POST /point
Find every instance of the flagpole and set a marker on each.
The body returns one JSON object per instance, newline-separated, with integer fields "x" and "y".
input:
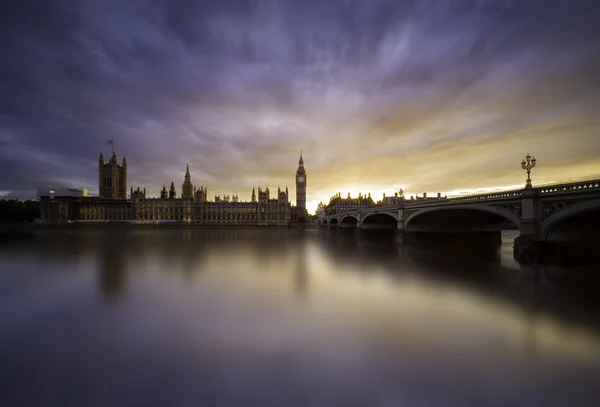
{"x": 112, "y": 142}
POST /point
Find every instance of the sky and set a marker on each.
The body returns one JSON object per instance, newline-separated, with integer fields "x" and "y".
{"x": 424, "y": 95}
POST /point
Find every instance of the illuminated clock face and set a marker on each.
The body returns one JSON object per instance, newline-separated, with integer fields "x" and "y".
{"x": 300, "y": 179}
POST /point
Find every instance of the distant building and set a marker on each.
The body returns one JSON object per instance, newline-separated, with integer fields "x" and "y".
{"x": 320, "y": 211}
{"x": 60, "y": 204}
{"x": 427, "y": 198}
{"x": 112, "y": 205}
{"x": 393, "y": 200}
{"x": 337, "y": 204}
{"x": 55, "y": 192}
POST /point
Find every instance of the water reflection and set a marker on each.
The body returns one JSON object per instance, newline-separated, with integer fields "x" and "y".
{"x": 189, "y": 316}
{"x": 301, "y": 277}
{"x": 112, "y": 265}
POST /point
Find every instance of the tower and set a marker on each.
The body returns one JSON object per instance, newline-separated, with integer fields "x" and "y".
{"x": 112, "y": 177}
{"x": 301, "y": 190}
{"x": 187, "y": 189}
{"x": 172, "y": 193}
{"x": 123, "y": 179}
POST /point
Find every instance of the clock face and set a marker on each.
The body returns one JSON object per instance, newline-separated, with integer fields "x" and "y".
{"x": 300, "y": 179}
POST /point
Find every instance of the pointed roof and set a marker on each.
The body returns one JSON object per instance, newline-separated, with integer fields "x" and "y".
{"x": 187, "y": 169}
{"x": 301, "y": 162}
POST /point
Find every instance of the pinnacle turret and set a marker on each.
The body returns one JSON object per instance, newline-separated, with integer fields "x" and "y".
{"x": 172, "y": 193}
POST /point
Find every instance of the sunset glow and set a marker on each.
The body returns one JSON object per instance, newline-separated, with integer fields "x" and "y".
{"x": 426, "y": 96}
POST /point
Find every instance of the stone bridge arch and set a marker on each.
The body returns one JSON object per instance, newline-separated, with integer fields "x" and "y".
{"x": 380, "y": 214}
{"x": 349, "y": 218}
{"x": 504, "y": 213}
{"x": 577, "y": 209}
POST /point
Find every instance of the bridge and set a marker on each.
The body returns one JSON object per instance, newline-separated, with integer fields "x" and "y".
{"x": 548, "y": 214}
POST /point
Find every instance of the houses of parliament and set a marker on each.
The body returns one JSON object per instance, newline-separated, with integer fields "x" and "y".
{"x": 64, "y": 205}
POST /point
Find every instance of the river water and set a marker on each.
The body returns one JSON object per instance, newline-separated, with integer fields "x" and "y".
{"x": 175, "y": 316}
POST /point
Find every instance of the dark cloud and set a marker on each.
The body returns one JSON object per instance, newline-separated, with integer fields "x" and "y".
{"x": 379, "y": 94}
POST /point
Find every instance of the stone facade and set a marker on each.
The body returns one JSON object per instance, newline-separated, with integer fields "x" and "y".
{"x": 193, "y": 206}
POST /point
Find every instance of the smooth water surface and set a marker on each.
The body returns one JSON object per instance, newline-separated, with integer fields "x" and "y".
{"x": 188, "y": 317}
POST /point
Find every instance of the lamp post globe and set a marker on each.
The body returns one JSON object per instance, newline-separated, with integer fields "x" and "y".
{"x": 527, "y": 164}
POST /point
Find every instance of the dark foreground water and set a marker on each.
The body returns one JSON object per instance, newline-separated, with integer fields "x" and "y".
{"x": 193, "y": 317}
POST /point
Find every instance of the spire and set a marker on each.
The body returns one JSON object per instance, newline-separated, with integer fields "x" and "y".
{"x": 101, "y": 159}
{"x": 124, "y": 160}
{"x": 172, "y": 194}
{"x": 301, "y": 162}
{"x": 187, "y": 170}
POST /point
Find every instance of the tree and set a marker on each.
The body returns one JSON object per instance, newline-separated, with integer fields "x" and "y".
{"x": 19, "y": 211}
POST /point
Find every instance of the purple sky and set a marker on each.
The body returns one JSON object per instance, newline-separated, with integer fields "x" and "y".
{"x": 425, "y": 95}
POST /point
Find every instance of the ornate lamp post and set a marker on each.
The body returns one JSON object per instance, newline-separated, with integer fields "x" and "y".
{"x": 527, "y": 165}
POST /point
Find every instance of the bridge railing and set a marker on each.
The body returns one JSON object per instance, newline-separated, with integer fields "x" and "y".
{"x": 572, "y": 187}
{"x": 469, "y": 198}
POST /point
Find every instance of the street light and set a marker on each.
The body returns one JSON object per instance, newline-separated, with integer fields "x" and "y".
{"x": 527, "y": 165}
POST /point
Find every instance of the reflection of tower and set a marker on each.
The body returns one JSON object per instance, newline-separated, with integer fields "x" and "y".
{"x": 300, "y": 275}
{"x": 301, "y": 190}
{"x": 112, "y": 267}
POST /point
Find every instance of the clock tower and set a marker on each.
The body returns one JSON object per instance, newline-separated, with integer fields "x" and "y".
{"x": 301, "y": 190}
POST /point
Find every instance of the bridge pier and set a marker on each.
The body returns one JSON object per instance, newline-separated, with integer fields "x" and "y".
{"x": 399, "y": 234}
{"x": 529, "y": 244}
